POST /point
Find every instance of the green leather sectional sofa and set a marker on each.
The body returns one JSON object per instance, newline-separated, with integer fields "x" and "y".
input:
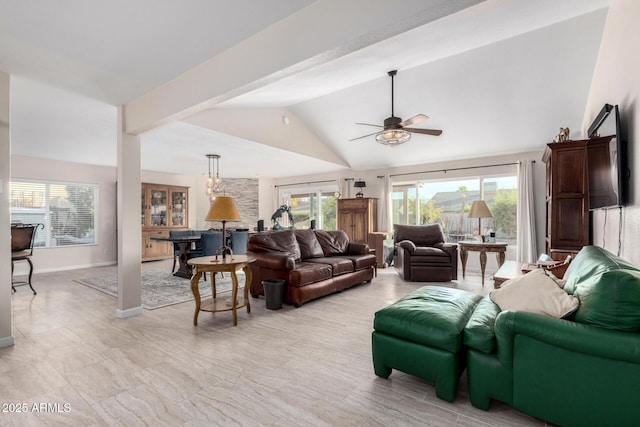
{"x": 580, "y": 371}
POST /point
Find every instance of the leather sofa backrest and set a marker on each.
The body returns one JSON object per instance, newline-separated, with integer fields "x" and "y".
{"x": 309, "y": 244}
{"x": 283, "y": 241}
{"x": 608, "y": 288}
{"x": 592, "y": 260}
{"x": 420, "y": 235}
{"x": 334, "y": 242}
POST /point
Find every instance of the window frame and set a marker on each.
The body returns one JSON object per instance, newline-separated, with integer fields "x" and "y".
{"x": 317, "y": 193}
{"x": 46, "y": 235}
{"x": 481, "y": 179}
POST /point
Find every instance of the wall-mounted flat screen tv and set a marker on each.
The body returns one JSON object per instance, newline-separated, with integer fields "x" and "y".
{"x": 608, "y": 173}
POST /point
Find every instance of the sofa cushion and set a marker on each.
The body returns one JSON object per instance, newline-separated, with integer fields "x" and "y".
{"x": 590, "y": 261}
{"x": 421, "y": 235}
{"x": 307, "y": 273}
{"x": 535, "y": 292}
{"x": 333, "y": 242}
{"x": 479, "y": 331}
{"x": 309, "y": 245}
{"x": 361, "y": 262}
{"x": 277, "y": 241}
{"x": 610, "y": 299}
{"x": 429, "y": 255}
{"x": 338, "y": 265}
{"x": 433, "y": 316}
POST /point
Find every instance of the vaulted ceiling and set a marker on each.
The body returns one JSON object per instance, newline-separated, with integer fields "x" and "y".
{"x": 496, "y": 76}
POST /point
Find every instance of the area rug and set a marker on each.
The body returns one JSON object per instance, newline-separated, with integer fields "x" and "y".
{"x": 160, "y": 288}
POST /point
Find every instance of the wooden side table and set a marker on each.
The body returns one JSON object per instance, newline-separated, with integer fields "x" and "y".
{"x": 483, "y": 248}
{"x": 509, "y": 270}
{"x": 216, "y": 264}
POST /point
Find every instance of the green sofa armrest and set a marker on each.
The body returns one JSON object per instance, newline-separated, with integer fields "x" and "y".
{"x": 572, "y": 336}
{"x": 479, "y": 331}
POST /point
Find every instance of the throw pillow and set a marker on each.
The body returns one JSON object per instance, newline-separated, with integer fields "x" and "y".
{"x": 535, "y": 292}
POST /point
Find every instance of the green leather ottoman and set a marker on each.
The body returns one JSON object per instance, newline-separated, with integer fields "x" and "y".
{"x": 421, "y": 334}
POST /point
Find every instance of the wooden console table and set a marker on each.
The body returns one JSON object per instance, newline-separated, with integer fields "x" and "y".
{"x": 216, "y": 264}
{"x": 483, "y": 248}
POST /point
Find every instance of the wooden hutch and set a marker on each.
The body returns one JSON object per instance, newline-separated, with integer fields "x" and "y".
{"x": 358, "y": 217}
{"x": 568, "y": 221}
{"x": 164, "y": 208}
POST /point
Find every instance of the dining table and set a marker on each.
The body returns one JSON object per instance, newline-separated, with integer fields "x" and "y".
{"x": 184, "y": 247}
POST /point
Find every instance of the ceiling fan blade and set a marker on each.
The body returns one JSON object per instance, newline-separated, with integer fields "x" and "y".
{"x": 413, "y": 120}
{"x": 363, "y": 136}
{"x": 434, "y": 132}
{"x": 369, "y": 124}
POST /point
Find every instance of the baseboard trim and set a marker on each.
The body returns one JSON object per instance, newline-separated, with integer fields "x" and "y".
{"x": 130, "y": 312}
{"x": 23, "y": 271}
{"x": 7, "y": 341}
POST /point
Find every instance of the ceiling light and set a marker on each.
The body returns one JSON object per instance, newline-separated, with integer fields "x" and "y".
{"x": 393, "y": 137}
{"x": 214, "y": 184}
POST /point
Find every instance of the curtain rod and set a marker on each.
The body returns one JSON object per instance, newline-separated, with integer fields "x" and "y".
{"x": 308, "y": 183}
{"x": 458, "y": 169}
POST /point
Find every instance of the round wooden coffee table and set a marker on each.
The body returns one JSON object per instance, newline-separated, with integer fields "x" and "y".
{"x": 217, "y": 264}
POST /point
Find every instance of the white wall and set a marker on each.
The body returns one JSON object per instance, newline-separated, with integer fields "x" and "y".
{"x": 104, "y": 253}
{"x": 53, "y": 259}
{"x": 615, "y": 81}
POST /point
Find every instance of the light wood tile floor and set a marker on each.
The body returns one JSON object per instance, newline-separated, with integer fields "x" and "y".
{"x": 308, "y": 366}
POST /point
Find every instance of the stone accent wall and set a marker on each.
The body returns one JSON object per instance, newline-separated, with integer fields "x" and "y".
{"x": 245, "y": 193}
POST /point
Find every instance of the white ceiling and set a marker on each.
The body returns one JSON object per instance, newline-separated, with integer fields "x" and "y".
{"x": 499, "y": 77}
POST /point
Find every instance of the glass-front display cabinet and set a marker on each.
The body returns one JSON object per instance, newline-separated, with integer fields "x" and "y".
{"x": 178, "y": 198}
{"x": 163, "y": 208}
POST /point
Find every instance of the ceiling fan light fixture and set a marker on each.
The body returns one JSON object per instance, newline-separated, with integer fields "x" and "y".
{"x": 393, "y": 137}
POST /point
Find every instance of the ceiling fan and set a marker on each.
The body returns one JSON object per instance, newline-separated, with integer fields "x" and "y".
{"x": 395, "y": 131}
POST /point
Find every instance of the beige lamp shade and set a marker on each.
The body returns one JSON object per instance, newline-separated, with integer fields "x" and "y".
{"x": 479, "y": 209}
{"x": 223, "y": 208}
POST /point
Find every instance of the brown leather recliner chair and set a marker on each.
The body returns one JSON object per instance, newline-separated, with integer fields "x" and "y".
{"x": 421, "y": 255}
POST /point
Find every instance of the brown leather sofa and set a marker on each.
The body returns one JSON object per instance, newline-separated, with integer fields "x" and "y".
{"x": 421, "y": 254}
{"x": 313, "y": 263}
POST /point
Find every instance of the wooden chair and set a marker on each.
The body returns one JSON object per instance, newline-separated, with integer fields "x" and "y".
{"x": 22, "y": 238}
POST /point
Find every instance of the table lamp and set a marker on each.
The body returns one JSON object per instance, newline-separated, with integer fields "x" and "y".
{"x": 223, "y": 209}
{"x": 479, "y": 209}
{"x": 359, "y": 185}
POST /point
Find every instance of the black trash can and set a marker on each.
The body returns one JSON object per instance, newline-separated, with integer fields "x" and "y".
{"x": 273, "y": 293}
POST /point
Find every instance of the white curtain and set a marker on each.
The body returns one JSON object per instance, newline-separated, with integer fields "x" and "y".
{"x": 385, "y": 214}
{"x": 346, "y": 188}
{"x": 527, "y": 250}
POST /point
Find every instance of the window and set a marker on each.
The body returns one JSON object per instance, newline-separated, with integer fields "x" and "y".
{"x": 67, "y": 211}
{"x": 448, "y": 201}
{"x": 319, "y": 206}
{"x": 311, "y": 203}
